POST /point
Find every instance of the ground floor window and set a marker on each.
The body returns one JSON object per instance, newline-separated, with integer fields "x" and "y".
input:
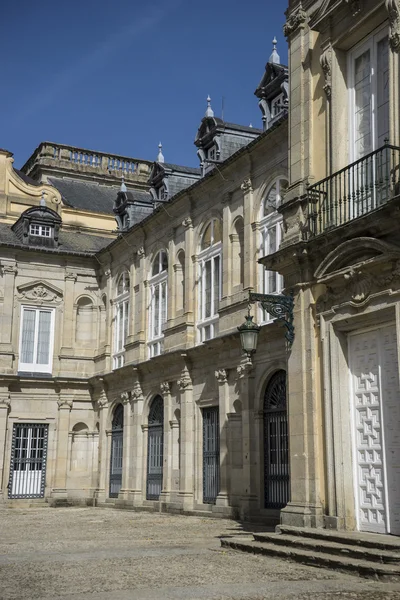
{"x": 28, "y": 460}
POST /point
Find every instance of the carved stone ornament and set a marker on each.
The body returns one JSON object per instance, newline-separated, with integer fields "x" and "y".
{"x": 71, "y": 276}
{"x": 5, "y": 400}
{"x": 355, "y": 6}
{"x": 393, "y": 8}
{"x": 246, "y": 186}
{"x": 355, "y": 287}
{"x": 386, "y": 280}
{"x": 39, "y": 293}
{"x": 221, "y": 376}
{"x": 185, "y": 380}
{"x": 102, "y": 402}
{"x": 64, "y": 402}
{"x": 165, "y": 388}
{"x": 11, "y": 269}
{"x": 187, "y": 222}
{"x": 137, "y": 392}
{"x": 125, "y": 397}
{"x": 141, "y": 252}
{"x": 244, "y": 369}
{"x": 295, "y": 20}
{"x": 326, "y": 64}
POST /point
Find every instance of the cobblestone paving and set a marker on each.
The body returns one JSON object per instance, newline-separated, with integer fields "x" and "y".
{"x": 102, "y": 554}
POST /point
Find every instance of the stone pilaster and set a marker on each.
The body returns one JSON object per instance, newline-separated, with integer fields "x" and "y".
{"x": 305, "y": 422}
{"x": 59, "y": 490}
{"x": 189, "y": 265}
{"x": 186, "y": 490}
{"x": 5, "y": 404}
{"x": 68, "y": 321}
{"x": 9, "y": 272}
{"x": 223, "y": 400}
{"x": 102, "y": 407}
{"x": 248, "y": 235}
{"x": 126, "y": 448}
{"x": 138, "y": 443}
{"x": 167, "y": 454}
{"x": 245, "y": 377}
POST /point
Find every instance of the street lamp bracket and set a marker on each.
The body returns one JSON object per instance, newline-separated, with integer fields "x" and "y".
{"x": 280, "y": 306}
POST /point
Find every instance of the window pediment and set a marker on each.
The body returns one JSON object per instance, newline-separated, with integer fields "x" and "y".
{"x": 39, "y": 292}
{"x": 354, "y": 252}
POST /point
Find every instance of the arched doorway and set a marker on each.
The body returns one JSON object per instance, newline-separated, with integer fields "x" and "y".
{"x": 276, "y": 443}
{"x": 155, "y": 449}
{"x": 117, "y": 441}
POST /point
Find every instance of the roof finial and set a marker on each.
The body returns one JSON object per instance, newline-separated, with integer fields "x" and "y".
{"x": 209, "y": 111}
{"x": 42, "y": 199}
{"x": 274, "y": 58}
{"x": 160, "y": 155}
{"x": 123, "y": 187}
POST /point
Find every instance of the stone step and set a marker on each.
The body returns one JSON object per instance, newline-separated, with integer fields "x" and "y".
{"x": 354, "y": 538}
{"x": 375, "y": 555}
{"x": 354, "y": 566}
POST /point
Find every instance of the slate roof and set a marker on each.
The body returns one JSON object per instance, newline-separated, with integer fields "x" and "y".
{"x": 69, "y": 241}
{"x": 91, "y": 196}
{"x": 188, "y": 170}
{"x": 26, "y": 178}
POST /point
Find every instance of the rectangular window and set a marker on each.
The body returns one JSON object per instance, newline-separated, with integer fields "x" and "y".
{"x": 272, "y": 282}
{"x": 158, "y": 317}
{"x": 210, "y": 283}
{"x": 369, "y": 95}
{"x": 121, "y": 332}
{"x": 40, "y": 230}
{"x": 36, "y": 340}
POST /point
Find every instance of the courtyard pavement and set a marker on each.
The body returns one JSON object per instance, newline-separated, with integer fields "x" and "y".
{"x": 104, "y": 554}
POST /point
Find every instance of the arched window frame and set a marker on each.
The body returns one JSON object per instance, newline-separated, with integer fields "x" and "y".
{"x": 158, "y": 288}
{"x": 270, "y": 282}
{"x": 121, "y": 319}
{"x": 210, "y": 278}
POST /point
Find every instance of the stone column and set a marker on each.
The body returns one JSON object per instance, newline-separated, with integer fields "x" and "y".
{"x": 175, "y": 458}
{"x": 59, "y": 490}
{"x": 223, "y": 402}
{"x": 141, "y": 308}
{"x": 305, "y": 422}
{"x": 138, "y": 466}
{"x": 102, "y": 406}
{"x": 249, "y": 500}
{"x": 5, "y": 405}
{"x": 186, "y": 488}
{"x": 171, "y": 302}
{"x": 226, "y": 248}
{"x": 249, "y": 249}
{"x": 189, "y": 265}
{"x": 126, "y": 447}
{"x": 68, "y": 321}
{"x": 167, "y": 449}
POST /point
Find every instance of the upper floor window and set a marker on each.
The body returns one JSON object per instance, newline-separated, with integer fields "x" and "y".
{"x": 209, "y": 280}
{"x": 369, "y": 95}
{"x": 158, "y": 303}
{"x": 40, "y": 230}
{"x": 212, "y": 153}
{"x": 271, "y": 234}
{"x": 121, "y": 319}
{"x": 36, "y": 340}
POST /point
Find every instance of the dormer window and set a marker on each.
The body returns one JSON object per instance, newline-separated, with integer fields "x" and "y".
{"x": 212, "y": 153}
{"x": 277, "y": 106}
{"x": 162, "y": 193}
{"x": 40, "y": 230}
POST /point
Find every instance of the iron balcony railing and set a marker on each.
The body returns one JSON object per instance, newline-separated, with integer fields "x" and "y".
{"x": 355, "y": 190}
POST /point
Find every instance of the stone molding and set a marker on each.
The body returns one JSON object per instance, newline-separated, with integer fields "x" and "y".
{"x": 247, "y": 186}
{"x": 393, "y": 9}
{"x": 125, "y": 397}
{"x": 165, "y": 388}
{"x": 137, "y": 392}
{"x": 5, "y": 400}
{"x": 71, "y": 276}
{"x": 64, "y": 402}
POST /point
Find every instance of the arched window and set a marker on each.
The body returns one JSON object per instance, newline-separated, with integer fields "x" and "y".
{"x": 155, "y": 449}
{"x": 271, "y": 232}
{"x": 121, "y": 319}
{"x": 276, "y": 443}
{"x": 209, "y": 280}
{"x": 158, "y": 303}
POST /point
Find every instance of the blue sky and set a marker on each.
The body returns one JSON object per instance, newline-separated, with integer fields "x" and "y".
{"x": 120, "y": 76}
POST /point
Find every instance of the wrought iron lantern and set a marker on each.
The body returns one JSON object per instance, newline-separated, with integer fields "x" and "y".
{"x": 279, "y": 306}
{"x": 249, "y": 335}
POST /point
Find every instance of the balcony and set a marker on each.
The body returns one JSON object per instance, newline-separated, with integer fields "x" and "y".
{"x": 354, "y": 191}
